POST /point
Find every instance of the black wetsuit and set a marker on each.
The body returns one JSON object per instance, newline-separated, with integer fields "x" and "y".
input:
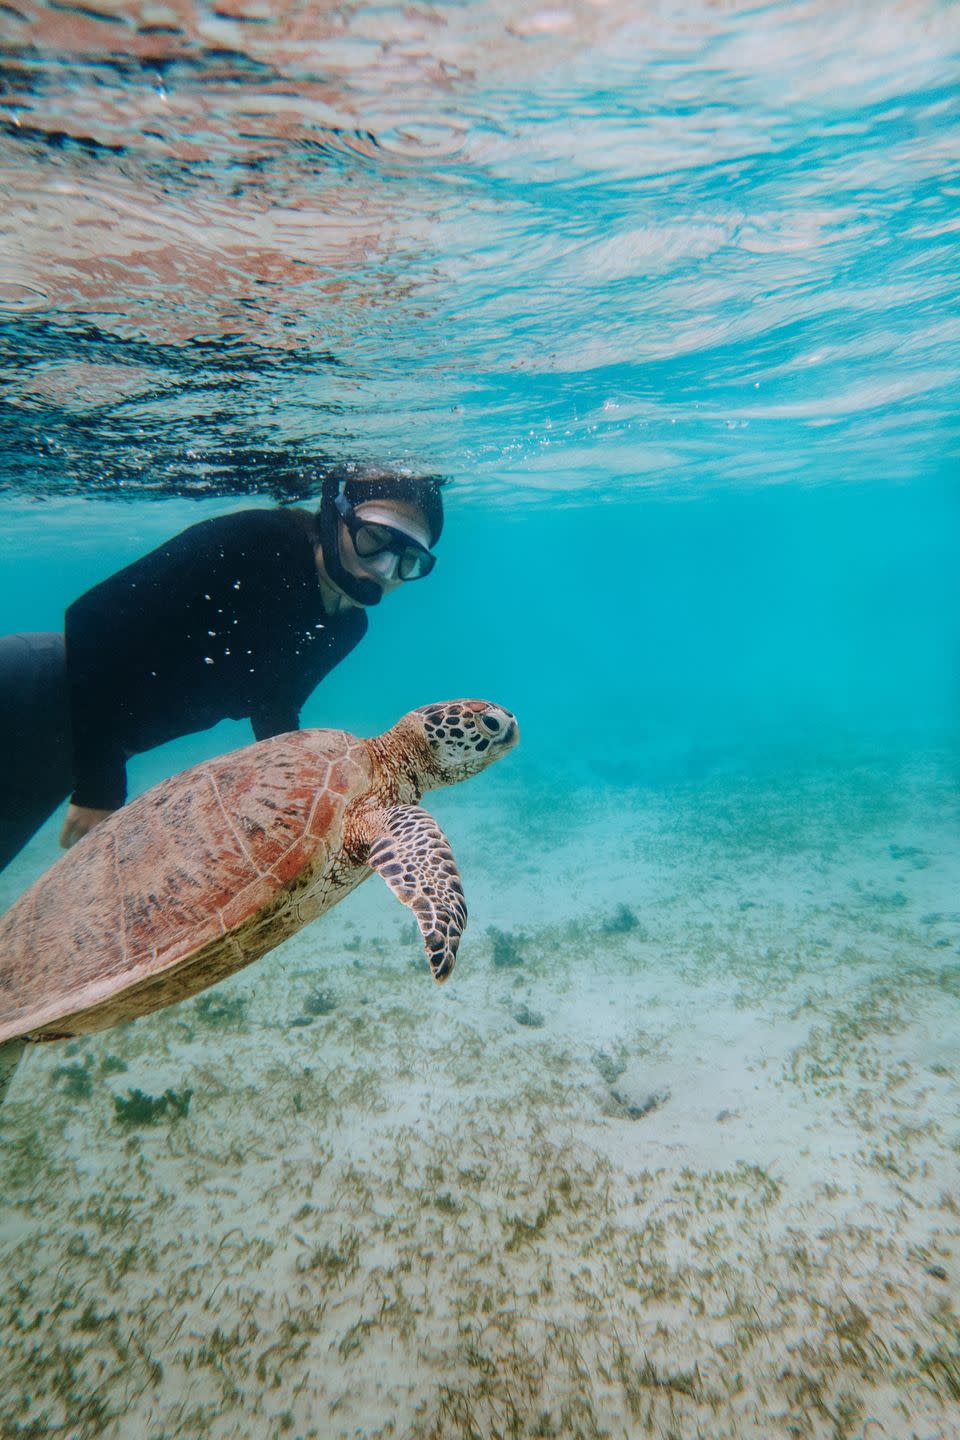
{"x": 224, "y": 621}
{"x": 36, "y": 769}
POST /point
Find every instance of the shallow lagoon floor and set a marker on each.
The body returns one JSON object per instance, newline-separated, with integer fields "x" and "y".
{"x": 676, "y": 1153}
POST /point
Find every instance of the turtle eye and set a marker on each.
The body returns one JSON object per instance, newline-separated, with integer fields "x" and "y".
{"x": 490, "y": 723}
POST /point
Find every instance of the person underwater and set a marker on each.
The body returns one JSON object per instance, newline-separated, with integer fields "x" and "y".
{"x": 238, "y": 617}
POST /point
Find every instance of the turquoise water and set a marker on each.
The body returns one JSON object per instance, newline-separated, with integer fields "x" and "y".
{"x": 739, "y": 628}
{"x": 670, "y": 295}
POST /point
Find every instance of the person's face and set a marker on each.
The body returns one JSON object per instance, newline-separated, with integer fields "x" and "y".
{"x": 382, "y": 568}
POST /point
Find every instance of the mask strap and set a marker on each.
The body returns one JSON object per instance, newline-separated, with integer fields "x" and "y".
{"x": 363, "y": 592}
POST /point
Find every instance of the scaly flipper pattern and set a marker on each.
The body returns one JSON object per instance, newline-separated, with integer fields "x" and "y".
{"x": 411, "y": 852}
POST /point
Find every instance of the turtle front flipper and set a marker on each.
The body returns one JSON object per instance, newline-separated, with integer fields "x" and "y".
{"x": 411, "y": 852}
{"x": 10, "y": 1052}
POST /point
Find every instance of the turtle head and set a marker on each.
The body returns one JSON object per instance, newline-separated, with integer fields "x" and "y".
{"x": 463, "y": 737}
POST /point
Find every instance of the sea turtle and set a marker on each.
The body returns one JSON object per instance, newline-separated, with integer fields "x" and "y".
{"x": 209, "y": 870}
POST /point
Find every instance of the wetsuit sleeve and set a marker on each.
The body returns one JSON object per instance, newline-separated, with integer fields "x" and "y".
{"x": 95, "y": 652}
{"x": 111, "y": 632}
{"x": 275, "y": 720}
{"x": 283, "y": 713}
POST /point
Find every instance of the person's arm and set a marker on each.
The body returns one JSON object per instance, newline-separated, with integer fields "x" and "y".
{"x": 100, "y": 630}
{"x": 112, "y": 632}
{"x": 281, "y": 712}
{"x": 275, "y": 720}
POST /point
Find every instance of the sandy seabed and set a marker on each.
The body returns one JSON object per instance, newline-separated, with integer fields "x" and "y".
{"x": 676, "y": 1153}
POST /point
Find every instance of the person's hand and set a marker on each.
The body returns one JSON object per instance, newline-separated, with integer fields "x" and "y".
{"x": 79, "y": 820}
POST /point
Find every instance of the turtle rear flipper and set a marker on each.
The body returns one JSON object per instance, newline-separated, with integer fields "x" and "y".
{"x": 411, "y": 852}
{"x": 10, "y": 1052}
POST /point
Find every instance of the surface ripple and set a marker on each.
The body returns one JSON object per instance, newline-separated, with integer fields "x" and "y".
{"x": 485, "y": 240}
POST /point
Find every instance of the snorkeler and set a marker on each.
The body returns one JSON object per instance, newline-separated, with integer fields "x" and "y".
{"x": 236, "y": 617}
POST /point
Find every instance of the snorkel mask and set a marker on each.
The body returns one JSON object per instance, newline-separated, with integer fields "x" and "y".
{"x": 387, "y": 549}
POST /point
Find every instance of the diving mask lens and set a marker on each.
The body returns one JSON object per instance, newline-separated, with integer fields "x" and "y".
{"x": 414, "y": 564}
{"x": 371, "y": 539}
